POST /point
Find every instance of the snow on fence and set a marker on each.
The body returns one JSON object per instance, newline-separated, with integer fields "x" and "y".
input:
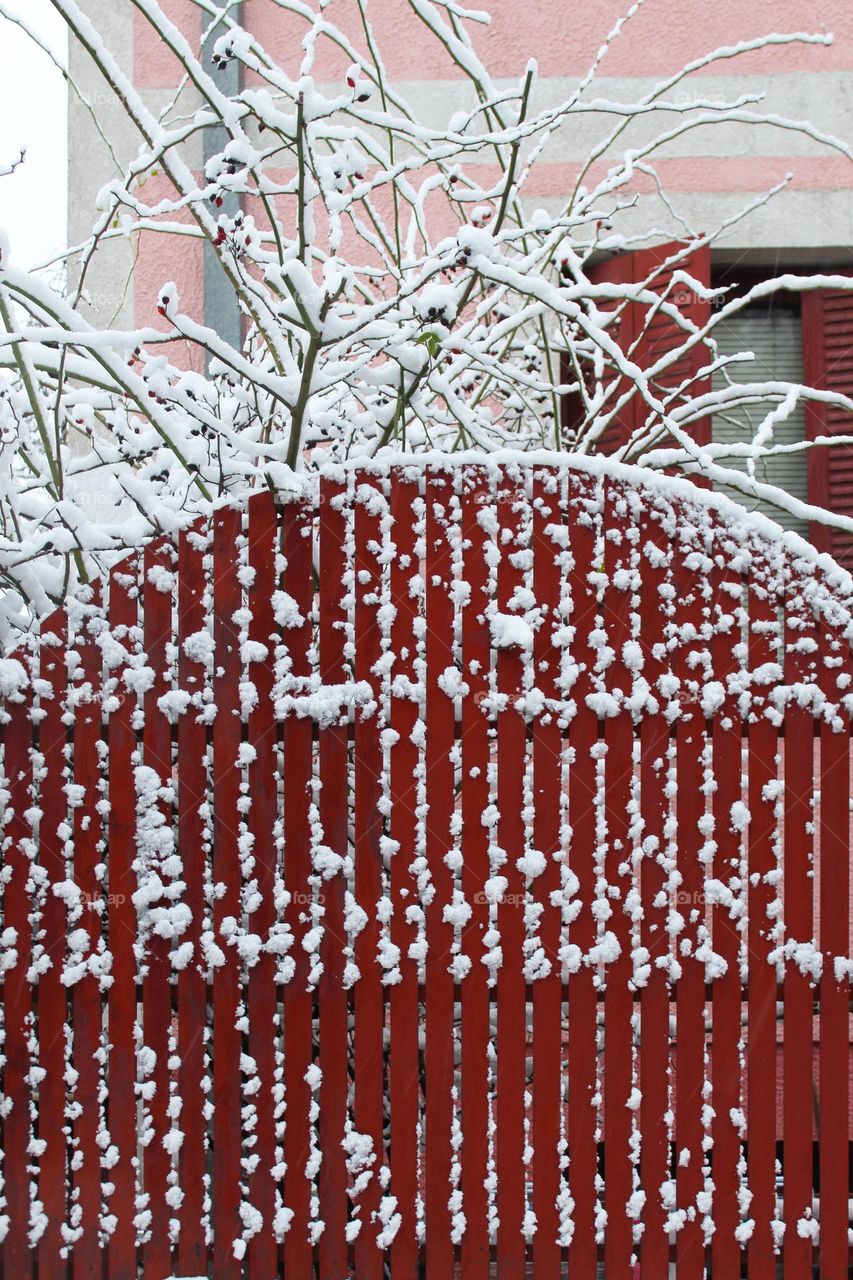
{"x": 435, "y": 902}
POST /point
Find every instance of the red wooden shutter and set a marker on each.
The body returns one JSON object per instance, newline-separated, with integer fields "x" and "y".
{"x": 619, "y": 270}
{"x": 656, "y": 332}
{"x": 828, "y": 365}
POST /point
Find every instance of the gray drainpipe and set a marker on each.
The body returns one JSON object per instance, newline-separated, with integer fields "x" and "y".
{"x": 221, "y": 309}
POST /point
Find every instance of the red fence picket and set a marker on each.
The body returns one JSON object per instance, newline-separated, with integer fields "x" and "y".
{"x": 155, "y": 851}
{"x": 511, "y": 1044}
{"x": 85, "y": 1002}
{"x": 192, "y": 801}
{"x": 440, "y": 870}
{"x": 691, "y": 590}
{"x": 18, "y": 1083}
{"x": 476, "y": 788}
{"x": 439, "y": 804}
{"x": 261, "y": 998}
{"x": 298, "y": 994}
{"x": 51, "y": 949}
{"x": 121, "y": 916}
{"x": 620, "y": 553}
{"x": 582, "y": 1119}
{"x": 834, "y": 936}
{"x": 333, "y": 769}
{"x": 726, "y": 989}
{"x": 761, "y": 989}
{"x": 227, "y": 1034}
{"x": 656, "y": 588}
{"x": 801, "y": 645}
{"x": 404, "y": 1009}
{"x": 364, "y": 1141}
{"x": 546, "y": 545}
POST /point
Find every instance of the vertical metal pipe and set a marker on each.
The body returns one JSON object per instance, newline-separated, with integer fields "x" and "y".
{"x": 221, "y": 308}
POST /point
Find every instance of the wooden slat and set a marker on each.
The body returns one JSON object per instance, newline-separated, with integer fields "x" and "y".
{"x": 654, "y": 994}
{"x": 368, "y": 994}
{"x": 583, "y": 998}
{"x": 511, "y": 993}
{"x": 619, "y": 557}
{"x": 86, "y": 995}
{"x": 476, "y": 663}
{"x": 52, "y": 1009}
{"x": 261, "y": 995}
{"x": 156, "y": 993}
{"x": 547, "y": 780}
{"x": 17, "y": 1003}
{"x": 761, "y": 1008}
{"x": 334, "y": 813}
{"x": 403, "y": 1065}
{"x": 121, "y": 998}
{"x": 438, "y": 1028}
{"x": 726, "y": 988}
{"x": 297, "y": 996}
{"x": 834, "y": 1066}
{"x": 797, "y": 1061}
{"x": 192, "y": 830}
{"x": 689, "y": 581}
{"x": 227, "y": 600}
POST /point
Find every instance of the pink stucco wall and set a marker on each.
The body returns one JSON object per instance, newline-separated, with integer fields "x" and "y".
{"x": 717, "y": 167}
{"x": 662, "y": 36}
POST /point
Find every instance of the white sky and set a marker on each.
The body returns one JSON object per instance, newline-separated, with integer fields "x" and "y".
{"x": 33, "y": 114}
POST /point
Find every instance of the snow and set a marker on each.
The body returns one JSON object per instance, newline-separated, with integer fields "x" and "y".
{"x": 286, "y": 610}
{"x": 740, "y": 816}
{"x": 199, "y": 647}
{"x": 510, "y": 631}
{"x": 326, "y": 703}
{"x": 13, "y": 677}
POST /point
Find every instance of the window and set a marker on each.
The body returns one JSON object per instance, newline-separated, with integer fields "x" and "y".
{"x": 772, "y": 331}
{"x": 795, "y": 338}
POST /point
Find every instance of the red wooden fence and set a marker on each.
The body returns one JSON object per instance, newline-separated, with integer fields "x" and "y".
{"x": 446, "y": 869}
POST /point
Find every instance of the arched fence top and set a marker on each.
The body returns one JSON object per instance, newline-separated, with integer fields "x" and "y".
{"x": 420, "y": 862}
{"x": 729, "y": 555}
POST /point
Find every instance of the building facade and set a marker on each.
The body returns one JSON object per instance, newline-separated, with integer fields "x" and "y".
{"x": 709, "y": 175}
